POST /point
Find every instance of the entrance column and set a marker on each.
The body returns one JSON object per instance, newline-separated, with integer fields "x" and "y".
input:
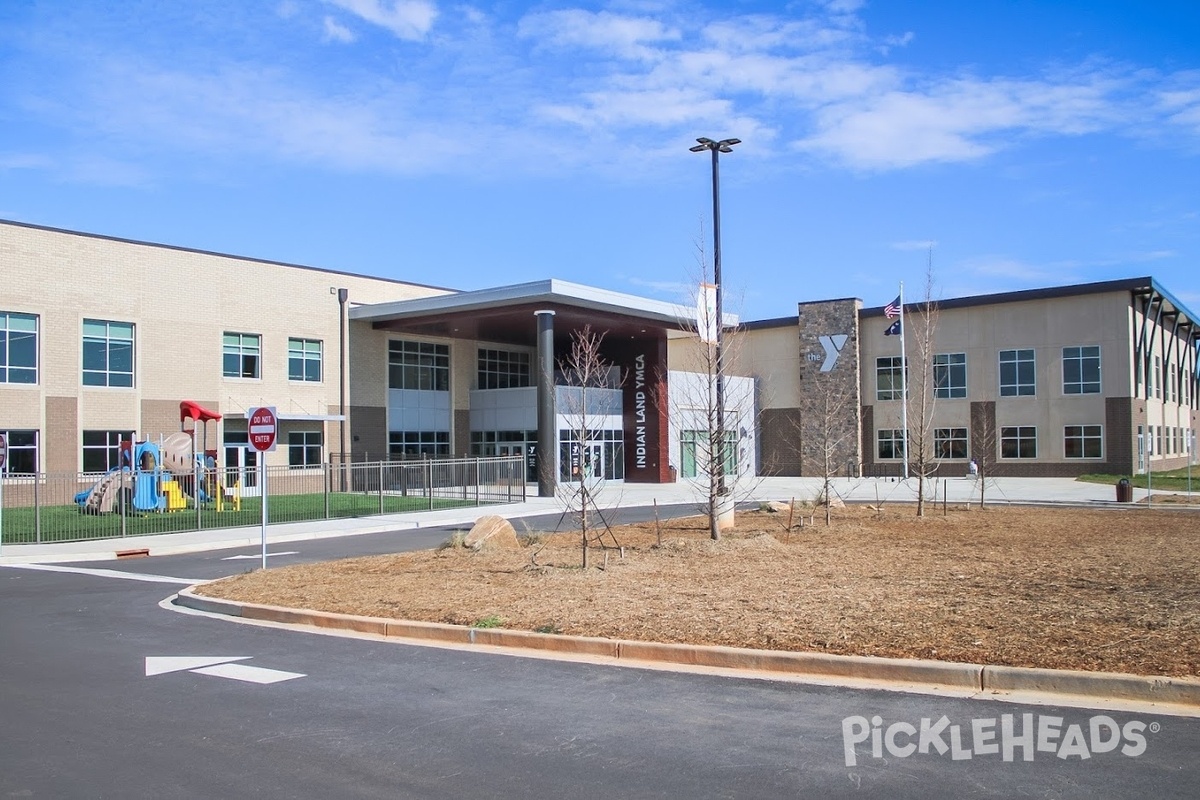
{"x": 547, "y": 441}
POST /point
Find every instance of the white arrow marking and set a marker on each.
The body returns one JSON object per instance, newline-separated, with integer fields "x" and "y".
{"x": 242, "y": 672}
{"x": 285, "y": 553}
{"x": 160, "y": 665}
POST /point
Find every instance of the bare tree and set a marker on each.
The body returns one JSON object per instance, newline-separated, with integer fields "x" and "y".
{"x": 921, "y": 455}
{"x": 984, "y": 440}
{"x": 714, "y": 439}
{"x": 833, "y": 435}
{"x": 585, "y": 372}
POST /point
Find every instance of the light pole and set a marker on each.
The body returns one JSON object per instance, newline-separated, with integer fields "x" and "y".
{"x": 723, "y": 146}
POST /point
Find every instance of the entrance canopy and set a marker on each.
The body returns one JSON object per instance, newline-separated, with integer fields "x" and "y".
{"x": 505, "y": 314}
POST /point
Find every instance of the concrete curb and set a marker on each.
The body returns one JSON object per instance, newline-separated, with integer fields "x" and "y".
{"x": 942, "y": 674}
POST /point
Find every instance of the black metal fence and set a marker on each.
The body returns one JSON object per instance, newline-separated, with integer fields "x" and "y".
{"x": 63, "y": 507}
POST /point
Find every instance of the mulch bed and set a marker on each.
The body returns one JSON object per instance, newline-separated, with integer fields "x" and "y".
{"x": 1060, "y": 588}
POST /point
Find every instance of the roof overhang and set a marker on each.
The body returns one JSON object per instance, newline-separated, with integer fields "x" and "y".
{"x": 506, "y": 313}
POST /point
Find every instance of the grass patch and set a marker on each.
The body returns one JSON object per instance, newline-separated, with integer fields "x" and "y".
{"x": 65, "y": 523}
{"x": 1174, "y": 480}
{"x": 490, "y": 621}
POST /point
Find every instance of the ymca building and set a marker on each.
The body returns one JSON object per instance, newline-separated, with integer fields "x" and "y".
{"x": 102, "y": 338}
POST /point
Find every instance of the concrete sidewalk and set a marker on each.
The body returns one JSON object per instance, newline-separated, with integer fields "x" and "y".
{"x": 612, "y": 494}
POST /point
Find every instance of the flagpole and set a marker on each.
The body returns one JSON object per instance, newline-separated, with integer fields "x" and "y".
{"x": 903, "y": 382}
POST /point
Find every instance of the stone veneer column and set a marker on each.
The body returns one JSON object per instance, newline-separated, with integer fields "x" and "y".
{"x": 830, "y": 402}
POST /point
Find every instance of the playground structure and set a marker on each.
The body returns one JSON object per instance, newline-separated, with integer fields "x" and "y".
{"x": 164, "y": 475}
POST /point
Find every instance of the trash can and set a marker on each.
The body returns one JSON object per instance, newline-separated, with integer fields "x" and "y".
{"x": 1124, "y": 491}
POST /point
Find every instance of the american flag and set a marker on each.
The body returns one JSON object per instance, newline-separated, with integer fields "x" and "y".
{"x": 892, "y": 309}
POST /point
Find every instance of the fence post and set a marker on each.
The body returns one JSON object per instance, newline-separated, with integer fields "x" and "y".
{"x": 476, "y": 481}
{"x": 197, "y": 482}
{"x": 328, "y": 481}
{"x": 429, "y": 481}
{"x": 37, "y": 507}
{"x": 121, "y": 487}
{"x": 381, "y": 487}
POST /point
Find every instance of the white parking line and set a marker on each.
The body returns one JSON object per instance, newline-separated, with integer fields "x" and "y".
{"x": 107, "y": 573}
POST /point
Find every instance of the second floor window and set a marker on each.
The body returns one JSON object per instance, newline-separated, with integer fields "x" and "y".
{"x": 503, "y": 369}
{"x": 418, "y": 365}
{"x": 304, "y": 360}
{"x": 1081, "y": 370}
{"x": 889, "y": 379}
{"x": 950, "y": 375}
{"x": 1017, "y": 373}
{"x": 107, "y": 353}
{"x": 241, "y": 354}
{"x": 18, "y": 348}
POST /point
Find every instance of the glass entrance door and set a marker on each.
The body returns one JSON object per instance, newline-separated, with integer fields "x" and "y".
{"x": 241, "y": 464}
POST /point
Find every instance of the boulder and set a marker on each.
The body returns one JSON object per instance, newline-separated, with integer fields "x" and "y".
{"x": 778, "y": 506}
{"x": 490, "y": 532}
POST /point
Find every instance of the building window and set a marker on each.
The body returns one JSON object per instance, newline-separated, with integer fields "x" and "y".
{"x": 889, "y": 380}
{"x": 304, "y": 360}
{"x": 242, "y": 354}
{"x": 304, "y": 449}
{"x": 18, "y": 348}
{"x": 418, "y": 444}
{"x": 1018, "y": 376}
{"x": 22, "y": 452}
{"x": 1169, "y": 381}
{"x": 1081, "y": 370}
{"x": 107, "y": 353}
{"x": 1087, "y": 441}
{"x": 503, "y": 369}
{"x": 102, "y": 449}
{"x": 891, "y": 443}
{"x": 419, "y": 365}
{"x": 1018, "y": 442}
{"x": 950, "y": 443}
{"x": 950, "y": 375}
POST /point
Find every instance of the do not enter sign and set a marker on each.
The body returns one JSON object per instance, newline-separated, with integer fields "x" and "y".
{"x": 263, "y": 427}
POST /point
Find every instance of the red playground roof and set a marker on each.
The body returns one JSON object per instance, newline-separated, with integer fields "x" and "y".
{"x": 195, "y": 411}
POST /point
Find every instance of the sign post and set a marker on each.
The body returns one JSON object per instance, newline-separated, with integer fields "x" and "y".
{"x": 262, "y": 428}
{"x": 3, "y": 461}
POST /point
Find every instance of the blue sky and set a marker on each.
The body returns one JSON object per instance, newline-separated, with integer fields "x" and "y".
{"x": 466, "y": 146}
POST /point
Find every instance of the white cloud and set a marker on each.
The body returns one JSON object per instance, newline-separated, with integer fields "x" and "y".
{"x": 957, "y": 120}
{"x": 896, "y": 41}
{"x": 336, "y": 32}
{"x": 407, "y": 19}
{"x": 625, "y": 36}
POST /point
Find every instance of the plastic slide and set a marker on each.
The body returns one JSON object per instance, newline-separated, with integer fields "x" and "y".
{"x": 101, "y": 497}
{"x": 146, "y": 496}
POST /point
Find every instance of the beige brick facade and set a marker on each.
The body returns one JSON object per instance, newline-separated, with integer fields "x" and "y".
{"x": 181, "y": 303}
{"x": 1121, "y": 319}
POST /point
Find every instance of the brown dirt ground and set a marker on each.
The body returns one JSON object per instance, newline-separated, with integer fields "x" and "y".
{"x": 1060, "y": 588}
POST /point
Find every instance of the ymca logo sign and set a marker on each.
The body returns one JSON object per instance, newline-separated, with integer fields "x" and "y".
{"x": 833, "y": 345}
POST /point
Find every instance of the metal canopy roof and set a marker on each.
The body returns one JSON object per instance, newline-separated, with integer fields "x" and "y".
{"x": 506, "y": 313}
